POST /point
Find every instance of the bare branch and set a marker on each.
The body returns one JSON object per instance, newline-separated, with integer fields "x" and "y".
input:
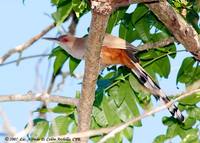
{"x": 60, "y": 85}
{"x": 181, "y": 30}
{"x": 158, "y": 44}
{"x": 38, "y": 97}
{"x": 24, "y": 58}
{"x": 111, "y": 131}
{"x": 25, "y": 45}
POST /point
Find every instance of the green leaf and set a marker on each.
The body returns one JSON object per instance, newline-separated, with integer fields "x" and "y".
{"x": 109, "y": 109}
{"x": 155, "y": 22}
{"x": 62, "y": 12}
{"x": 139, "y": 13}
{"x": 61, "y": 108}
{"x": 60, "y": 60}
{"x": 191, "y": 100}
{"x": 73, "y": 63}
{"x": 55, "y": 2}
{"x": 133, "y": 108}
{"x": 143, "y": 94}
{"x": 127, "y": 33}
{"x": 188, "y": 123}
{"x": 100, "y": 117}
{"x": 172, "y": 48}
{"x": 191, "y": 137}
{"x": 143, "y": 29}
{"x": 168, "y": 121}
{"x": 185, "y": 72}
{"x": 160, "y": 139}
{"x": 159, "y": 36}
{"x": 114, "y": 92}
{"x": 194, "y": 112}
{"x": 40, "y": 128}
{"x": 155, "y": 59}
{"x": 98, "y": 97}
{"x": 61, "y": 57}
{"x": 165, "y": 70}
{"x": 128, "y": 133}
{"x": 95, "y": 126}
{"x": 79, "y": 6}
{"x": 172, "y": 131}
{"x": 193, "y": 18}
{"x": 124, "y": 98}
{"x": 59, "y": 126}
{"x": 115, "y": 18}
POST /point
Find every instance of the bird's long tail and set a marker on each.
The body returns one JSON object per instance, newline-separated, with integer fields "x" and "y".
{"x": 146, "y": 80}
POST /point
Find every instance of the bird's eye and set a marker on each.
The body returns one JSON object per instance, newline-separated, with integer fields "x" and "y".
{"x": 64, "y": 39}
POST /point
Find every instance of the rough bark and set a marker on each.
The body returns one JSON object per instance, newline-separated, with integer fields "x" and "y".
{"x": 92, "y": 66}
{"x": 181, "y": 30}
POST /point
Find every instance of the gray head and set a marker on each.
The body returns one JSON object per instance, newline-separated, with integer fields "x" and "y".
{"x": 70, "y": 44}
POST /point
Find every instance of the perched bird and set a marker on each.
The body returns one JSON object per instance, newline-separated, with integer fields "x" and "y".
{"x": 117, "y": 51}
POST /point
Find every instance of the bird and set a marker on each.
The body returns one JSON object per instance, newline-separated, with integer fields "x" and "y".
{"x": 116, "y": 51}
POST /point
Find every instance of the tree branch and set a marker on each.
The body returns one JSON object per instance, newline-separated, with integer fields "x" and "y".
{"x": 181, "y": 30}
{"x": 25, "y": 45}
{"x": 100, "y": 16}
{"x": 38, "y": 97}
{"x": 123, "y": 3}
{"x": 157, "y": 44}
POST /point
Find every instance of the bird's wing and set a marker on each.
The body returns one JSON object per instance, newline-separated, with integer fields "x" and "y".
{"x": 117, "y": 43}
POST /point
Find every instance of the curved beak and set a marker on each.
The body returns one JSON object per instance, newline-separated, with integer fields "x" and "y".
{"x": 51, "y": 39}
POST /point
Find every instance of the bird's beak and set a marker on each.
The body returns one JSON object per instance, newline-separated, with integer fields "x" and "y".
{"x": 51, "y": 39}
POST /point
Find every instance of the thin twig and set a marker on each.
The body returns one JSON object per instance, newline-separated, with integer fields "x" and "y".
{"x": 24, "y": 58}
{"x": 38, "y": 97}
{"x": 25, "y": 45}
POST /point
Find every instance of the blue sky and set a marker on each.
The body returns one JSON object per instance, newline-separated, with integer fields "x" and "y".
{"x": 19, "y": 23}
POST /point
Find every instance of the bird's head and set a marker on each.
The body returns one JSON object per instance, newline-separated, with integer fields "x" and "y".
{"x": 65, "y": 41}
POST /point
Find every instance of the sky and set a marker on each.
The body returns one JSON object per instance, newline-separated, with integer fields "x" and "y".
{"x": 19, "y": 23}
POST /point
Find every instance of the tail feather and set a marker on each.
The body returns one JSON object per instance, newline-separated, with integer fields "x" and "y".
{"x": 146, "y": 80}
